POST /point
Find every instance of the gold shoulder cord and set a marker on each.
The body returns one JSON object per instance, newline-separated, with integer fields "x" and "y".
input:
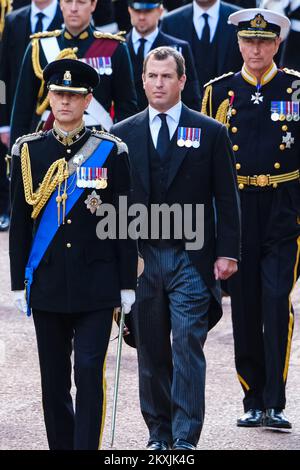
{"x": 69, "y": 53}
{"x": 5, "y": 8}
{"x": 55, "y": 176}
{"x": 221, "y": 115}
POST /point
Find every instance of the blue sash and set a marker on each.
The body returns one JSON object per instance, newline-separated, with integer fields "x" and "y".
{"x": 48, "y": 225}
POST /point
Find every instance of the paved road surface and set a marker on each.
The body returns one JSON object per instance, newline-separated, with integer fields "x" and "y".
{"x": 21, "y": 421}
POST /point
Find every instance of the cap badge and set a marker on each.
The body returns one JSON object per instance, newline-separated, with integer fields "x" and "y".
{"x": 258, "y": 22}
{"x": 67, "y": 80}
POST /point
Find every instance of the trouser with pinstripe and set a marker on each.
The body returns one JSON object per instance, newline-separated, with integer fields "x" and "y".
{"x": 262, "y": 312}
{"x": 170, "y": 322}
{"x": 90, "y": 332}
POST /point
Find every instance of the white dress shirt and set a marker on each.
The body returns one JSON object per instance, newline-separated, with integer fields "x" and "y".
{"x": 135, "y": 37}
{"x": 49, "y": 13}
{"x": 213, "y": 18}
{"x": 173, "y": 116}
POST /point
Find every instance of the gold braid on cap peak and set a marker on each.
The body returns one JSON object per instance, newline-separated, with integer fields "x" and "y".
{"x": 68, "y": 53}
{"x": 55, "y": 176}
{"x": 5, "y": 8}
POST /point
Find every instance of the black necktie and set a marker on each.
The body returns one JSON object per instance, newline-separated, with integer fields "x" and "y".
{"x": 140, "y": 56}
{"x": 163, "y": 139}
{"x": 205, "y": 38}
{"x": 39, "y": 24}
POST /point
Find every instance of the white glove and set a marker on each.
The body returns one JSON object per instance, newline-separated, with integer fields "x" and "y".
{"x": 19, "y": 300}
{"x": 127, "y": 299}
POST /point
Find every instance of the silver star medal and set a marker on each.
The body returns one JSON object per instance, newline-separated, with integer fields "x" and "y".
{"x": 288, "y": 140}
{"x": 93, "y": 201}
{"x": 257, "y": 98}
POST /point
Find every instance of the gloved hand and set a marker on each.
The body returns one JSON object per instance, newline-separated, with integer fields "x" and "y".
{"x": 19, "y": 300}
{"x": 127, "y": 299}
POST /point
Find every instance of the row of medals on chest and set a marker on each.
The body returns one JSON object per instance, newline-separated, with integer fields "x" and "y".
{"x": 89, "y": 177}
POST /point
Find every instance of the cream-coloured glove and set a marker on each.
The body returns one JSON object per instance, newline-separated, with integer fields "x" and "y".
{"x": 19, "y": 300}
{"x": 127, "y": 299}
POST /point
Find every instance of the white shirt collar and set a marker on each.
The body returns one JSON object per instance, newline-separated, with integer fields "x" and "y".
{"x": 213, "y": 11}
{"x": 174, "y": 112}
{"x": 150, "y": 37}
{"x": 49, "y": 11}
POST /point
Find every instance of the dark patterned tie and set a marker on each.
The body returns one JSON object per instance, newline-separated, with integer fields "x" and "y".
{"x": 205, "y": 38}
{"x": 163, "y": 140}
{"x": 140, "y": 56}
{"x": 39, "y": 24}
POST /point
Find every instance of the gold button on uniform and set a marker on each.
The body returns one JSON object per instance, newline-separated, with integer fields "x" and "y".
{"x": 289, "y": 90}
{"x": 235, "y": 148}
{"x": 69, "y": 245}
{"x": 241, "y": 186}
{"x": 69, "y": 221}
{"x": 238, "y": 166}
{"x": 233, "y": 111}
{"x": 231, "y": 93}
{"x": 277, "y": 165}
{"x": 234, "y": 130}
{"x": 284, "y": 128}
{"x": 282, "y": 147}
{"x": 69, "y": 150}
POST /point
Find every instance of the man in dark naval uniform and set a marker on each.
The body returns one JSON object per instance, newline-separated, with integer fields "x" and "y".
{"x": 74, "y": 277}
{"x": 113, "y": 101}
{"x": 262, "y": 115}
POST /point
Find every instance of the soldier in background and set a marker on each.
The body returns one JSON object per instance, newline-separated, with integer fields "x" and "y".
{"x": 113, "y": 101}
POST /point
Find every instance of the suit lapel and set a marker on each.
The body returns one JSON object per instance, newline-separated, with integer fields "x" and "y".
{"x": 223, "y": 44}
{"x": 23, "y": 28}
{"x": 140, "y": 156}
{"x": 57, "y": 20}
{"x": 178, "y": 153}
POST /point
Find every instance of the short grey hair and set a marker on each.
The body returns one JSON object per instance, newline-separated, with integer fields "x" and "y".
{"x": 162, "y": 53}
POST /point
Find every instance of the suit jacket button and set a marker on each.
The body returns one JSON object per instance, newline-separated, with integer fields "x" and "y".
{"x": 69, "y": 221}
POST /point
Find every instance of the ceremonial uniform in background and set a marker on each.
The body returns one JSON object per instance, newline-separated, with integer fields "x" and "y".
{"x": 106, "y": 52}
{"x": 264, "y": 128}
{"x": 73, "y": 290}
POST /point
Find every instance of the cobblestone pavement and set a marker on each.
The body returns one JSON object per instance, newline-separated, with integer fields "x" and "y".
{"x": 21, "y": 421}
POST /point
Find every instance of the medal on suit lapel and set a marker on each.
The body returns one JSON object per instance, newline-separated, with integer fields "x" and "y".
{"x": 181, "y": 136}
{"x": 196, "y": 138}
{"x": 188, "y": 143}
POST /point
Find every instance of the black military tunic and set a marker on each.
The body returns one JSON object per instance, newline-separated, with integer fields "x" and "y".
{"x": 75, "y": 287}
{"x": 108, "y": 53}
{"x": 264, "y": 128}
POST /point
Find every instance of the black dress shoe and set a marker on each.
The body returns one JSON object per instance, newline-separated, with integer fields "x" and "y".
{"x": 157, "y": 445}
{"x": 181, "y": 444}
{"x": 4, "y": 222}
{"x": 251, "y": 419}
{"x": 275, "y": 418}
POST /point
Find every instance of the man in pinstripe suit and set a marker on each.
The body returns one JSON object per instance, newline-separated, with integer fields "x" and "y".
{"x": 178, "y": 156}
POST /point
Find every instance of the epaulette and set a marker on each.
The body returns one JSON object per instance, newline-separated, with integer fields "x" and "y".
{"x": 46, "y": 34}
{"x": 217, "y": 79}
{"x": 117, "y": 37}
{"x": 291, "y": 72}
{"x": 25, "y": 138}
{"x": 121, "y": 146}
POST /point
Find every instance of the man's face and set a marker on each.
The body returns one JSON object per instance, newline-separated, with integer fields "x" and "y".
{"x": 68, "y": 108}
{"x": 161, "y": 83}
{"x": 41, "y": 4}
{"x": 258, "y": 53}
{"x": 145, "y": 21}
{"x": 77, "y": 13}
